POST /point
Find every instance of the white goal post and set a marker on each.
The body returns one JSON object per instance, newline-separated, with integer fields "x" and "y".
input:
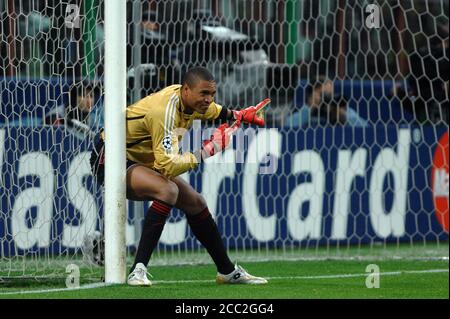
{"x": 115, "y": 108}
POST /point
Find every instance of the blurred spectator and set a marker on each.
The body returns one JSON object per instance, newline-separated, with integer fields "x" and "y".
{"x": 84, "y": 110}
{"x": 425, "y": 93}
{"x": 313, "y": 97}
{"x": 81, "y": 104}
{"x": 23, "y": 28}
{"x": 323, "y": 107}
{"x": 44, "y": 44}
{"x": 334, "y": 110}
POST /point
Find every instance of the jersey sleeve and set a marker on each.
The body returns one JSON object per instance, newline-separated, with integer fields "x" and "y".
{"x": 164, "y": 135}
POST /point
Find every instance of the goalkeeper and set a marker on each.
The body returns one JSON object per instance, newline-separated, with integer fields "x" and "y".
{"x": 154, "y": 165}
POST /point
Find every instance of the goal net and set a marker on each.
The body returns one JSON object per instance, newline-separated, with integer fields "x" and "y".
{"x": 353, "y": 160}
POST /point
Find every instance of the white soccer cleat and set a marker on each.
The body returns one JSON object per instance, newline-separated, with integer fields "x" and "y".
{"x": 139, "y": 276}
{"x": 239, "y": 276}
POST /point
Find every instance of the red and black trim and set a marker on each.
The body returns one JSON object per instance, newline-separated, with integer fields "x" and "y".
{"x": 161, "y": 208}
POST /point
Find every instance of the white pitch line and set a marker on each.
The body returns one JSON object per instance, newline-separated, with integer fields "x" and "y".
{"x": 393, "y": 273}
{"x": 42, "y": 291}
{"x": 157, "y": 282}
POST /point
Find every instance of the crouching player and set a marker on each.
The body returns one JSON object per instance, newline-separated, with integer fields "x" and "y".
{"x": 154, "y": 165}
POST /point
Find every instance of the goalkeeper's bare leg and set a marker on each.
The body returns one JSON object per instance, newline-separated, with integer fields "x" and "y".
{"x": 146, "y": 184}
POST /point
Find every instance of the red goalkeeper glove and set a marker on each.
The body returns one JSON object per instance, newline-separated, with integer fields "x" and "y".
{"x": 249, "y": 115}
{"x": 219, "y": 140}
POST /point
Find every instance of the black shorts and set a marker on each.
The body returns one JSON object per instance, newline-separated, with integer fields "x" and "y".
{"x": 98, "y": 160}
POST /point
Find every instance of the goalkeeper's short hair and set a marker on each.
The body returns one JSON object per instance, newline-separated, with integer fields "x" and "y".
{"x": 196, "y": 74}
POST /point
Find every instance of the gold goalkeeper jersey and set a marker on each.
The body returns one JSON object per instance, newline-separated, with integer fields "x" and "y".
{"x": 155, "y": 125}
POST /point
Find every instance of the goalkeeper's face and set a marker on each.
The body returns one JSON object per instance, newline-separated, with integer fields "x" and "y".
{"x": 199, "y": 96}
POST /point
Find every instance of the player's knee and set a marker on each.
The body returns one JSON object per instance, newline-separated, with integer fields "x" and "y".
{"x": 169, "y": 193}
{"x": 195, "y": 206}
{"x": 200, "y": 203}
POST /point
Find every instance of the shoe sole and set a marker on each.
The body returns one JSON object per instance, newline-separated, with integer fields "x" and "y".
{"x": 223, "y": 282}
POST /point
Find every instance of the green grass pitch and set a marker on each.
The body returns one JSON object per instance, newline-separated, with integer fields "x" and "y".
{"x": 304, "y": 279}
